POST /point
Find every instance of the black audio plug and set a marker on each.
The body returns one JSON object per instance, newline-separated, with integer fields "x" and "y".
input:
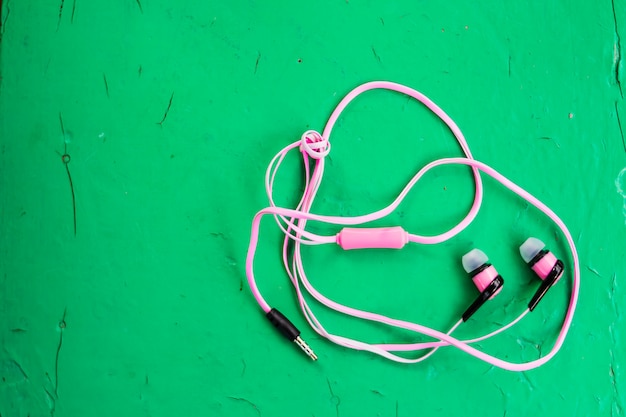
{"x": 287, "y": 329}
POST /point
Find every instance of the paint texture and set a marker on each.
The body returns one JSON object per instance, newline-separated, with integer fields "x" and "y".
{"x": 134, "y": 137}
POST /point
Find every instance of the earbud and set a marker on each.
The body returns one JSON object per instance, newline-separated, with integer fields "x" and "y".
{"x": 545, "y": 265}
{"x": 485, "y": 277}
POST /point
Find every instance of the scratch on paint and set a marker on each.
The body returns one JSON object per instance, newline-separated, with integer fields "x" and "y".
{"x": 619, "y": 124}
{"x": 617, "y": 52}
{"x": 594, "y": 271}
{"x": 62, "y": 326}
{"x": 613, "y": 366}
{"x": 334, "y": 398}
{"x": 247, "y": 402}
{"x": 66, "y": 158}
{"x": 167, "y": 110}
{"x": 60, "y": 14}
{"x": 256, "y": 65}
{"x": 106, "y": 85}
{"x": 3, "y": 20}
{"x": 375, "y": 54}
{"x": 620, "y": 185}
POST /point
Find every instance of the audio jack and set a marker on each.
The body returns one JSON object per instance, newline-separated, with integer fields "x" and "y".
{"x": 305, "y": 348}
{"x": 287, "y": 329}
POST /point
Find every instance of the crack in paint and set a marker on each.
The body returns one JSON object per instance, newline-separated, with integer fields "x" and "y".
{"x": 594, "y": 271}
{"x": 3, "y": 21}
{"x": 256, "y": 65}
{"x": 19, "y": 368}
{"x": 504, "y": 398}
{"x": 167, "y": 110}
{"x": 52, "y": 401}
{"x": 617, "y": 52}
{"x": 334, "y": 398}
{"x": 66, "y": 158}
{"x": 60, "y": 14}
{"x": 375, "y": 54}
{"x": 54, "y": 398}
{"x": 247, "y": 402}
{"x": 620, "y": 185}
{"x": 619, "y": 124}
{"x": 613, "y": 367}
{"x": 526, "y": 380}
{"x": 106, "y": 84}
{"x": 12, "y": 372}
{"x": 519, "y": 214}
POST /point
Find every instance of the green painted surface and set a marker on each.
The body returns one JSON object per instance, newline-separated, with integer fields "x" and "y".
{"x": 155, "y": 319}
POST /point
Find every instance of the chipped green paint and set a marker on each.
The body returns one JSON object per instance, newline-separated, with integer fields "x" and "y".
{"x": 170, "y": 112}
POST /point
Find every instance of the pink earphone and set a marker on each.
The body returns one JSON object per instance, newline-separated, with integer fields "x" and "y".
{"x": 314, "y": 148}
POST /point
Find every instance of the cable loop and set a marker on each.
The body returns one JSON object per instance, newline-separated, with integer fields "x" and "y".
{"x": 314, "y": 144}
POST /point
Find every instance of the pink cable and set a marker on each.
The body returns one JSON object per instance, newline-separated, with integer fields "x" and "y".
{"x": 428, "y": 345}
{"x": 317, "y": 146}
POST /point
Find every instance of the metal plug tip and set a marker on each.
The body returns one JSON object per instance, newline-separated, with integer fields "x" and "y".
{"x": 305, "y": 348}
